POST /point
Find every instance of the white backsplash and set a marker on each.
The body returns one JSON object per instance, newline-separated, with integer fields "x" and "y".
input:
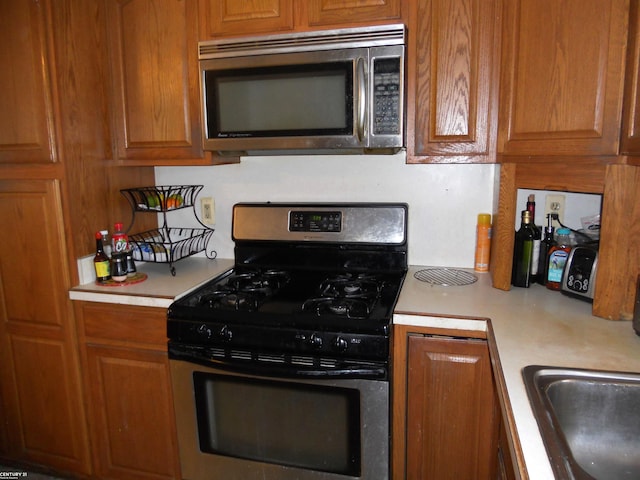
{"x": 578, "y": 205}
{"x": 443, "y": 199}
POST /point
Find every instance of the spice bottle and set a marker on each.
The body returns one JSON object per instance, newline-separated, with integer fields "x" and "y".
{"x": 119, "y": 239}
{"x": 537, "y": 239}
{"x": 523, "y": 252}
{"x": 101, "y": 261}
{"x": 557, "y": 258}
{"x": 483, "y": 243}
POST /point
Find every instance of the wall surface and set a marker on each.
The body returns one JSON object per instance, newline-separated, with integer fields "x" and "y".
{"x": 577, "y": 206}
{"x": 443, "y": 200}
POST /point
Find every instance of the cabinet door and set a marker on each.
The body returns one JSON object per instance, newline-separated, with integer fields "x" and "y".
{"x": 563, "y": 74}
{"x": 42, "y": 411}
{"x": 133, "y": 426}
{"x": 630, "y": 140}
{"x": 339, "y": 12}
{"x": 505, "y": 469}
{"x": 231, "y": 17}
{"x": 26, "y": 112}
{"x": 452, "y": 81}
{"x": 451, "y": 409}
{"x": 153, "y": 49}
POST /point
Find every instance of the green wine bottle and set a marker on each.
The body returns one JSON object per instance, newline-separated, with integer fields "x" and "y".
{"x": 523, "y": 252}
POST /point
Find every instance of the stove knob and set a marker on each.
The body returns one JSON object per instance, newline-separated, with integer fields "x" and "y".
{"x": 204, "y": 331}
{"x": 225, "y": 334}
{"x": 341, "y": 344}
{"x": 315, "y": 341}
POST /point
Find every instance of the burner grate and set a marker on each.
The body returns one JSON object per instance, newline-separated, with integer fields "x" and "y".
{"x": 245, "y": 291}
{"x": 346, "y": 295}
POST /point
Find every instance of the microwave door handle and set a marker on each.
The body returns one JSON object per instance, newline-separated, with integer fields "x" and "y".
{"x": 361, "y": 85}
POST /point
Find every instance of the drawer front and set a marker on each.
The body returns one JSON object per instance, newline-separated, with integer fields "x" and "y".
{"x": 123, "y": 323}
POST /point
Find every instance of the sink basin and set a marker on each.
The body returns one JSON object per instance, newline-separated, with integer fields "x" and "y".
{"x": 589, "y": 420}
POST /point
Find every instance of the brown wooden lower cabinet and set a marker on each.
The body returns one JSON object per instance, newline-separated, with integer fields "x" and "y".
{"x": 42, "y": 417}
{"x": 445, "y": 420}
{"x": 131, "y": 416}
{"x": 505, "y": 460}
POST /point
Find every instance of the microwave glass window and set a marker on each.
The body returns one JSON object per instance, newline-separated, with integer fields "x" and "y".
{"x": 293, "y": 424}
{"x": 280, "y": 101}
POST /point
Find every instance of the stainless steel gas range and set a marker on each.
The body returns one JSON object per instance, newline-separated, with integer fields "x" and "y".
{"x": 280, "y": 367}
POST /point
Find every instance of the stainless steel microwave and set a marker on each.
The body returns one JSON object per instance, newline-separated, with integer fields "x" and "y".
{"x": 320, "y": 91}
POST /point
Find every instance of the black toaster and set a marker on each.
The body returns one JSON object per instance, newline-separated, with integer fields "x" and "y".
{"x": 579, "y": 276}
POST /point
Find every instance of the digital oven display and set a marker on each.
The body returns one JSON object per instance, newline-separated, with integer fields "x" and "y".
{"x": 315, "y": 221}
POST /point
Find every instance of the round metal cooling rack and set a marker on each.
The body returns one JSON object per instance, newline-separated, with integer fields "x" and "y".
{"x": 446, "y": 277}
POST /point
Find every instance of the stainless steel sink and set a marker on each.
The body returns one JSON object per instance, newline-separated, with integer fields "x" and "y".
{"x": 589, "y": 419}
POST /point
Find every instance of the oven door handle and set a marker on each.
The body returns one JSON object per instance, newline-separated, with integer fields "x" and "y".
{"x": 266, "y": 369}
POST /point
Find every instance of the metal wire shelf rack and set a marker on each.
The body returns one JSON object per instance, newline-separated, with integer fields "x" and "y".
{"x": 167, "y": 244}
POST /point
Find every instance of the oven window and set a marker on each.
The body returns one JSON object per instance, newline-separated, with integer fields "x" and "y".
{"x": 291, "y": 100}
{"x": 285, "y": 423}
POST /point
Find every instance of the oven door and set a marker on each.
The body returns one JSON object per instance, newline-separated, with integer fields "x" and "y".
{"x": 236, "y": 426}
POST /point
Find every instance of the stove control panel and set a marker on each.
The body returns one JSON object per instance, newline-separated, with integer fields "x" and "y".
{"x": 290, "y": 340}
{"x": 353, "y": 223}
{"x": 308, "y": 221}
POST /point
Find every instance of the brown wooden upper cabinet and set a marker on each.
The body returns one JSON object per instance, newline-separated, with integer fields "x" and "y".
{"x": 335, "y": 12}
{"x": 155, "y": 91}
{"x": 563, "y": 69}
{"x": 569, "y": 121}
{"x": 630, "y": 139}
{"x": 230, "y": 17}
{"x": 452, "y": 86}
{"x": 27, "y": 133}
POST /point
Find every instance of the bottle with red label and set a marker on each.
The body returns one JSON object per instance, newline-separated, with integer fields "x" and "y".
{"x": 119, "y": 239}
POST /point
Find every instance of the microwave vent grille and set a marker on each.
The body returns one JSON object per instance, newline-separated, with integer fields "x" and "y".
{"x": 380, "y": 35}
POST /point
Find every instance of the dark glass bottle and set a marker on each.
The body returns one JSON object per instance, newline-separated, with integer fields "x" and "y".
{"x": 101, "y": 261}
{"x": 537, "y": 240}
{"x": 545, "y": 246}
{"x": 523, "y": 253}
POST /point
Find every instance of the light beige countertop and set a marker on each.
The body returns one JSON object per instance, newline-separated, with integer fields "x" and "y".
{"x": 160, "y": 289}
{"x": 532, "y": 326}
{"x": 528, "y": 326}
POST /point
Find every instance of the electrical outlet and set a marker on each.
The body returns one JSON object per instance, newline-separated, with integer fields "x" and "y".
{"x": 208, "y": 211}
{"x": 554, "y": 204}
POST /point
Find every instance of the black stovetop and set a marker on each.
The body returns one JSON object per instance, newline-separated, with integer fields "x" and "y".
{"x": 292, "y": 318}
{"x": 318, "y": 299}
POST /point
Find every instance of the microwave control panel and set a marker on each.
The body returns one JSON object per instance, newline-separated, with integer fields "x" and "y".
{"x": 387, "y": 96}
